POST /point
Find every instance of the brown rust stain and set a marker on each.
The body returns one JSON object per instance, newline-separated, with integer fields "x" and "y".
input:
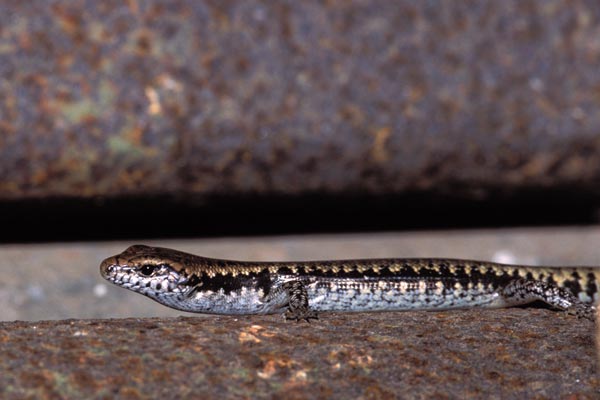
{"x": 347, "y": 354}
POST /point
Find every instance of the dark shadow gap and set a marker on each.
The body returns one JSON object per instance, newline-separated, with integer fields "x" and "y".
{"x": 142, "y": 218}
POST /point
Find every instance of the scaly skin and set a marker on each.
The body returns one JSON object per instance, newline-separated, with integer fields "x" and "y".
{"x": 301, "y": 289}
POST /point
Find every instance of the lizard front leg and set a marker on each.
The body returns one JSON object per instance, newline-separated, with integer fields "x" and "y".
{"x": 297, "y": 308}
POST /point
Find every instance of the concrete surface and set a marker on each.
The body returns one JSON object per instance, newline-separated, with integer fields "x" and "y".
{"x": 58, "y": 281}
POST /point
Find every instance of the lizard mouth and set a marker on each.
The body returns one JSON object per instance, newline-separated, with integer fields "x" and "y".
{"x": 131, "y": 278}
{"x": 108, "y": 268}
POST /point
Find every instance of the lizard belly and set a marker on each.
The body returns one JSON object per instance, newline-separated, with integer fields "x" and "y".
{"x": 244, "y": 301}
{"x": 365, "y": 295}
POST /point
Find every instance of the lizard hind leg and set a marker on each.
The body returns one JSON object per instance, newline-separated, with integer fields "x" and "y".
{"x": 298, "y": 308}
{"x": 523, "y": 291}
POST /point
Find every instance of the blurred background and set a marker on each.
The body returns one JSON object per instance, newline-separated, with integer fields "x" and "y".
{"x": 290, "y": 130}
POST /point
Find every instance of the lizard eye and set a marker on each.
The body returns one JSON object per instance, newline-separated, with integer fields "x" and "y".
{"x": 147, "y": 269}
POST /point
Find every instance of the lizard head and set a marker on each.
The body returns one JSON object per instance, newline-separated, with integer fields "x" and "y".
{"x": 152, "y": 271}
{"x": 185, "y": 281}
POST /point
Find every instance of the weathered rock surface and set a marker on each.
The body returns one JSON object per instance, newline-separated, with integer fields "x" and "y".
{"x": 516, "y": 353}
{"x": 497, "y": 354}
{"x": 207, "y": 98}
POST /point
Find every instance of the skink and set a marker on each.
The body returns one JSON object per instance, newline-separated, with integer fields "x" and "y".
{"x": 302, "y": 289}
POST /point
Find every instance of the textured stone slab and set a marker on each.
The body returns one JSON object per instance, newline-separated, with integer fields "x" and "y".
{"x": 245, "y": 97}
{"x": 509, "y": 353}
{"x": 513, "y": 353}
